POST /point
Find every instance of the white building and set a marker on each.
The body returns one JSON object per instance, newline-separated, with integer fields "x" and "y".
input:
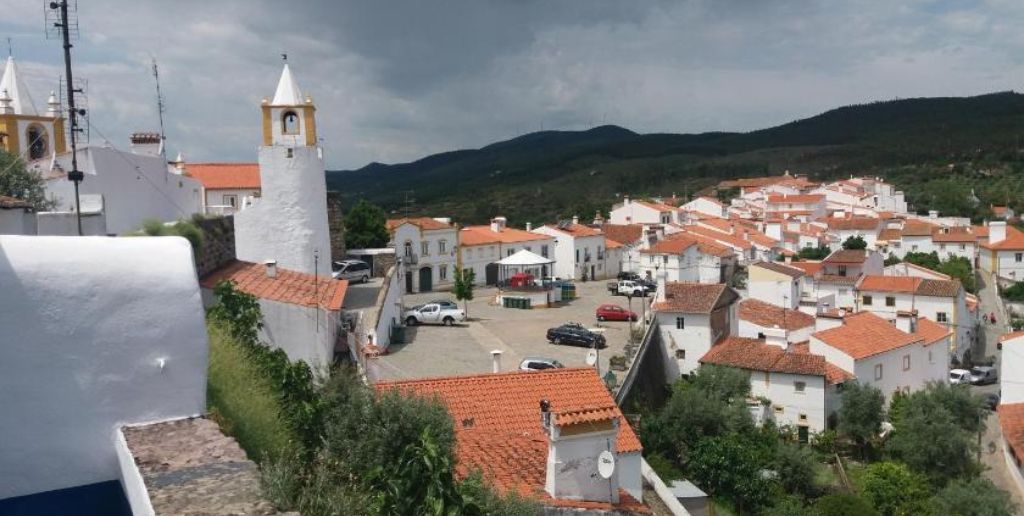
{"x": 758, "y": 319}
{"x": 1003, "y": 253}
{"x": 685, "y": 259}
{"x": 301, "y": 312}
{"x": 775, "y": 283}
{"x": 480, "y": 248}
{"x": 16, "y": 217}
{"x": 705, "y": 206}
{"x": 1011, "y": 405}
{"x": 97, "y": 333}
{"x": 866, "y": 228}
{"x": 288, "y": 223}
{"x": 580, "y": 251}
{"x": 643, "y": 212}
{"x": 911, "y": 270}
{"x": 428, "y": 249}
{"x": 803, "y": 207}
{"x": 226, "y": 186}
{"x": 692, "y": 317}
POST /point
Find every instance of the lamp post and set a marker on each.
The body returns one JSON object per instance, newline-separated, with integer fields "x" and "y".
{"x": 629, "y": 299}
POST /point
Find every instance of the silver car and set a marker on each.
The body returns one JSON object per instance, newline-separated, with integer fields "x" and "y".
{"x": 539, "y": 364}
{"x": 352, "y": 270}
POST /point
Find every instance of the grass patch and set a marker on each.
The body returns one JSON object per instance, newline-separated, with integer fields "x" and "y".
{"x": 242, "y": 401}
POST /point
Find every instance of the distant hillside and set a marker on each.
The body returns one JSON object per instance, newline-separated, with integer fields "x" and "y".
{"x": 938, "y": 149}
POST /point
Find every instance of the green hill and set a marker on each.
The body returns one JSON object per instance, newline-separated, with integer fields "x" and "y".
{"x": 936, "y": 149}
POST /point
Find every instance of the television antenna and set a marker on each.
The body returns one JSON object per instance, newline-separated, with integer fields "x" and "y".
{"x": 606, "y": 464}
{"x": 591, "y": 357}
{"x": 160, "y": 109}
{"x": 62, "y": 19}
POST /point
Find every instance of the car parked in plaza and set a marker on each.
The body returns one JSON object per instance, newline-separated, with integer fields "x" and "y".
{"x": 574, "y": 334}
{"x": 539, "y": 364}
{"x": 959, "y": 376}
{"x": 352, "y": 270}
{"x": 433, "y": 313}
{"x": 984, "y": 375}
{"x": 610, "y": 312}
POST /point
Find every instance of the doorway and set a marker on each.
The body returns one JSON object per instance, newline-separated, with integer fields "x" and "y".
{"x": 426, "y": 279}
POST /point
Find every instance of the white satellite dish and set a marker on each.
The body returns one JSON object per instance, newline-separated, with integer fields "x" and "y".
{"x": 606, "y": 464}
{"x": 591, "y": 358}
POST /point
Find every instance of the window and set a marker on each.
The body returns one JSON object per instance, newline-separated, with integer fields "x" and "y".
{"x": 890, "y": 300}
{"x": 509, "y": 252}
{"x": 906, "y": 362}
{"x": 963, "y": 247}
{"x": 878, "y": 371}
{"x": 528, "y": 248}
{"x": 664, "y": 258}
{"x": 442, "y": 247}
{"x": 289, "y": 123}
{"x": 800, "y": 387}
{"x": 230, "y": 200}
{"x": 842, "y": 270}
{"x": 942, "y": 247}
{"x": 931, "y": 360}
{"x": 779, "y": 409}
{"x": 408, "y": 248}
{"x": 544, "y": 251}
{"x": 680, "y": 323}
{"x": 940, "y": 317}
{"x": 1018, "y": 257}
{"x": 866, "y": 300}
{"x": 803, "y": 418}
{"x": 425, "y": 248}
{"x": 913, "y": 247}
{"x": 895, "y": 244}
{"x": 443, "y": 272}
{"x": 680, "y": 354}
{"x": 289, "y": 153}
{"x": 37, "y": 141}
{"x": 577, "y": 256}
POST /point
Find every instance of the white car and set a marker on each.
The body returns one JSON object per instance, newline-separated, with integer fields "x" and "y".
{"x": 958, "y": 376}
{"x": 433, "y": 313}
{"x": 539, "y": 364}
{"x": 352, "y": 270}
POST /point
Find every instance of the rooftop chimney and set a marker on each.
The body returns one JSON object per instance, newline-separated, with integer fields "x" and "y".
{"x": 776, "y": 336}
{"x": 146, "y": 143}
{"x": 659, "y": 295}
{"x": 496, "y": 361}
{"x": 996, "y": 231}
{"x": 625, "y": 200}
{"x": 933, "y": 214}
{"x": 271, "y": 266}
{"x": 575, "y": 219}
{"x": 574, "y": 455}
{"x": 498, "y": 224}
{"x": 529, "y": 226}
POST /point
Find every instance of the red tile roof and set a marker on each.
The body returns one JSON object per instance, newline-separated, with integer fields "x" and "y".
{"x": 695, "y": 298}
{"x": 674, "y": 244}
{"x": 862, "y": 223}
{"x": 481, "y": 235}
{"x": 498, "y": 423}
{"x": 1014, "y": 241}
{"x": 576, "y": 230}
{"x": 659, "y": 206}
{"x": 626, "y": 234}
{"x": 1011, "y": 419}
{"x": 7, "y": 202}
{"x": 847, "y": 256}
{"x": 811, "y": 267}
{"x": 931, "y": 332}
{"x": 781, "y": 268}
{"x": 769, "y": 315}
{"x": 733, "y": 240}
{"x": 755, "y": 355}
{"x": 865, "y": 334}
{"x": 798, "y": 199}
{"x": 957, "y": 234}
{"x": 424, "y": 223}
{"x": 910, "y": 285}
{"x": 915, "y": 227}
{"x": 289, "y": 286}
{"x": 889, "y": 235}
{"x": 220, "y": 176}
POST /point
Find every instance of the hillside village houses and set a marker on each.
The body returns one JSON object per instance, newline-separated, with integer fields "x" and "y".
{"x": 581, "y": 252}
{"x": 480, "y": 247}
{"x": 428, "y": 249}
{"x": 1002, "y": 253}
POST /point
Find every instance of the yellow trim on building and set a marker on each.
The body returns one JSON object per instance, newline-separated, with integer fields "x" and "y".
{"x": 268, "y": 127}
{"x": 308, "y": 113}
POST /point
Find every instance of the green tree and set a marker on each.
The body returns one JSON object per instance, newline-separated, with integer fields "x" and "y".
{"x": 959, "y": 268}
{"x": 843, "y": 505}
{"x": 814, "y": 253}
{"x": 788, "y": 506}
{"x": 974, "y": 497}
{"x": 16, "y": 181}
{"x": 860, "y": 415}
{"x": 926, "y": 260}
{"x": 366, "y": 226}
{"x": 463, "y": 287}
{"x": 855, "y": 242}
{"x": 894, "y": 490}
{"x": 727, "y": 467}
{"x": 795, "y": 466}
{"x": 727, "y": 383}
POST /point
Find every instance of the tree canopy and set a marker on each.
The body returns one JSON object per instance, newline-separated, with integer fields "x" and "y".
{"x": 855, "y": 242}
{"x": 861, "y": 414}
{"x": 16, "y": 181}
{"x": 366, "y": 226}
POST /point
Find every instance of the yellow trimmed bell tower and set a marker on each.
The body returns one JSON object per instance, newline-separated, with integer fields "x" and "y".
{"x": 23, "y": 131}
{"x": 289, "y": 118}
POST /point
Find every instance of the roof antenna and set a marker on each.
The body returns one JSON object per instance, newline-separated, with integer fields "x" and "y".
{"x": 62, "y": 22}
{"x": 160, "y": 108}
{"x": 284, "y": 57}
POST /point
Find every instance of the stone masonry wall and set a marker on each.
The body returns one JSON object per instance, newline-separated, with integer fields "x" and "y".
{"x": 218, "y": 244}
{"x": 335, "y": 222}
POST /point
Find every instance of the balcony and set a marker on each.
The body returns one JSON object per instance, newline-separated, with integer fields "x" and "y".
{"x": 410, "y": 259}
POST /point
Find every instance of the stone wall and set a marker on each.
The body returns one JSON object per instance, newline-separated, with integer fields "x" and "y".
{"x": 218, "y": 244}
{"x": 335, "y": 222}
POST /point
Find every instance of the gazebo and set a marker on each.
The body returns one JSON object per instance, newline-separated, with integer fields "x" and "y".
{"x": 515, "y": 288}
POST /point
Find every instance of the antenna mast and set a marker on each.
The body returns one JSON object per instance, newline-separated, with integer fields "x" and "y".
{"x": 57, "y": 17}
{"x": 160, "y": 110}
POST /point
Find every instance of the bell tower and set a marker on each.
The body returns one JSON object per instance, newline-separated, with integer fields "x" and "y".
{"x": 23, "y": 131}
{"x": 288, "y": 222}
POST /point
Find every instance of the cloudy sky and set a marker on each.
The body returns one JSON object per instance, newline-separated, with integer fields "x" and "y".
{"x": 396, "y": 80}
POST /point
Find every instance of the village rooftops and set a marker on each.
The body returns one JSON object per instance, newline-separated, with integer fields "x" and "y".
{"x": 756, "y": 355}
{"x": 1014, "y": 241}
{"x": 930, "y": 331}
{"x": 853, "y": 223}
{"x": 674, "y": 244}
{"x": 498, "y": 425}
{"x": 847, "y": 256}
{"x": 285, "y": 286}
{"x": 768, "y": 315}
{"x": 626, "y": 234}
{"x": 483, "y": 235}
{"x": 810, "y": 267}
{"x": 889, "y": 235}
{"x": 1011, "y": 419}
{"x": 915, "y": 227}
{"x": 658, "y": 206}
{"x": 225, "y": 176}
{"x": 424, "y": 223}
{"x": 795, "y": 199}
{"x": 910, "y": 285}
{"x": 954, "y": 234}
{"x": 865, "y": 334}
{"x": 574, "y": 229}
{"x": 695, "y": 298}
{"x": 780, "y": 268}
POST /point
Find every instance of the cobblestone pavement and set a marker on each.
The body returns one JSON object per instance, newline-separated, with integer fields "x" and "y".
{"x": 466, "y": 348}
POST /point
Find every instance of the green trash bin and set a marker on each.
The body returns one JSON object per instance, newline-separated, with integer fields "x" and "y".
{"x": 519, "y": 303}
{"x": 526, "y": 303}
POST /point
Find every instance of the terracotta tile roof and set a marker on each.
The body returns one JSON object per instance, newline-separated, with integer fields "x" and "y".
{"x": 865, "y": 334}
{"x": 217, "y": 176}
{"x": 1011, "y": 420}
{"x": 810, "y": 267}
{"x": 13, "y": 202}
{"x": 674, "y": 244}
{"x": 981, "y": 231}
{"x": 889, "y": 234}
{"x": 717, "y": 223}
{"x": 481, "y": 235}
{"x": 714, "y": 249}
{"x": 755, "y": 355}
{"x": 835, "y": 374}
{"x": 1010, "y": 336}
{"x": 956, "y": 234}
{"x": 734, "y": 240}
{"x": 874, "y": 283}
{"x": 862, "y": 223}
{"x": 289, "y": 286}
{"x": 424, "y": 223}
{"x": 659, "y": 206}
{"x": 939, "y": 288}
{"x": 837, "y": 279}
{"x": 695, "y": 298}
{"x": 498, "y": 425}
{"x": 780, "y": 268}
{"x": 797, "y": 199}
{"x": 930, "y": 331}
{"x": 847, "y": 256}
{"x": 611, "y": 244}
{"x": 1014, "y": 241}
{"x": 626, "y": 234}
{"x": 768, "y": 315}
{"x": 576, "y": 230}
{"x": 915, "y": 227}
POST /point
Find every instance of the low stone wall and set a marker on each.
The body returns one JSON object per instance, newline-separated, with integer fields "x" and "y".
{"x": 218, "y": 245}
{"x": 336, "y": 226}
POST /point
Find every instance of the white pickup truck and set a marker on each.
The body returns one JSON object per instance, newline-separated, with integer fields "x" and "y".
{"x": 434, "y": 313}
{"x": 634, "y": 288}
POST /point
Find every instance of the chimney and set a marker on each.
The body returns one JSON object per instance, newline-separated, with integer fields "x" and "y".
{"x": 575, "y": 219}
{"x": 271, "y": 266}
{"x": 625, "y": 200}
{"x": 933, "y": 214}
{"x": 529, "y": 226}
{"x": 498, "y": 223}
{"x": 776, "y": 336}
{"x": 906, "y": 321}
{"x": 496, "y": 361}
{"x": 444, "y": 220}
{"x": 659, "y": 295}
{"x": 575, "y": 452}
{"x": 598, "y": 219}
{"x": 996, "y": 231}
{"x": 147, "y": 144}
{"x": 788, "y": 259}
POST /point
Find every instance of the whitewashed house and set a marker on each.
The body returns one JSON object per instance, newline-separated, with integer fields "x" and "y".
{"x": 226, "y": 186}
{"x": 867, "y": 228}
{"x": 1011, "y": 405}
{"x": 1003, "y": 253}
{"x": 804, "y": 207}
{"x": 631, "y": 239}
{"x": 708, "y": 206}
{"x": 686, "y": 259}
{"x": 775, "y": 283}
{"x": 758, "y": 319}
{"x": 580, "y": 251}
{"x": 480, "y": 248}
{"x": 692, "y": 317}
{"x": 643, "y": 212}
{"x": 428, "y": 249}
{"x": 910, "y": 270}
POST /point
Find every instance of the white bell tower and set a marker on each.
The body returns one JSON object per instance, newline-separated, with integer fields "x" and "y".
{"x": 288, "y": 223}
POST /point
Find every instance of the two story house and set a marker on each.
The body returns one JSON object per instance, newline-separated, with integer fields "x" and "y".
{"x": 428, "y": 249}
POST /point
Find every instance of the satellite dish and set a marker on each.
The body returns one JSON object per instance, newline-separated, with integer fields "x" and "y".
{"x": 606, "y": 464}
{"x": 591, "y": 358}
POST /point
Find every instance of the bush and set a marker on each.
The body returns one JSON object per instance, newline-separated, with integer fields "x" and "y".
{"x": 855, "y": 242}
{"x": 893, "y": 489}
{"x": 665, "y": 468}
{"x": 843, "y": 505}
{"x": 976, "y": 497}
{"x": 1014, "y": 292}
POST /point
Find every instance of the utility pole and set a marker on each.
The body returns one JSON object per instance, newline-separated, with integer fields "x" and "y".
{"x": 160, "y": 111}
{"x": 63, "y": 23}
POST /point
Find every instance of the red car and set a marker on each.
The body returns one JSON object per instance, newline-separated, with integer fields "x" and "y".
{"x": 614, "y": 313}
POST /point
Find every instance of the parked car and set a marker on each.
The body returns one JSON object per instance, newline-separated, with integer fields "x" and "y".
{"x": 635, "y": 288}
{"x": 539, "y": 364}
{"x": 984, "y": 375}
{"x": 574, "y": 334}
{"x": 628, "y": 276}
{"x": 614, "y": 313}
{"x": 445, "y": 303}
{"x": 352, "y": 270}
{"x": 959, "y": 376}
{"x": 990, "y": 400}
{"x": 433, "y": 313}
